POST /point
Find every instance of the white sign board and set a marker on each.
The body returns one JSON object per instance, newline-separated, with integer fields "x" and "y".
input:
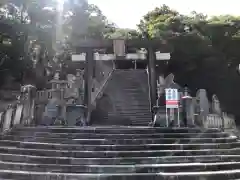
{"x": 163, "y": 56}
{"x": 172, "y": 98}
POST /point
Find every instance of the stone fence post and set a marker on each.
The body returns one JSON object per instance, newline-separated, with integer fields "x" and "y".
{"x": 28, "y": 100}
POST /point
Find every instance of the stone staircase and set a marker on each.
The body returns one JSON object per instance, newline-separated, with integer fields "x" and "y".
{"x": 118, "y": 153}
{"x": 126, "y": 100}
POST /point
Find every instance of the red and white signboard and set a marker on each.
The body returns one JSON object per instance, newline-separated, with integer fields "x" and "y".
{"x": 172, "y": 98}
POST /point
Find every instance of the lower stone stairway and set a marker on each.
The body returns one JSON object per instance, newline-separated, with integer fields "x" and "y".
{"x": 118, "y": 153}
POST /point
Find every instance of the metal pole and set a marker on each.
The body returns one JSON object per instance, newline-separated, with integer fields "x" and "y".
{"x": 178, "y": 117}
{"x": 222, "y": 117}
{"x": 193, "y": 119}
{"x": 171, "y": 115}
{"x": 167, "y": 123}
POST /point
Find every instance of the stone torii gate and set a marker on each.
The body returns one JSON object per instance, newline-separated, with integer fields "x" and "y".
{"x": 85, "y": 52}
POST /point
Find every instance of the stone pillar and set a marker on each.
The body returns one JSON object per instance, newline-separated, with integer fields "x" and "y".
{"x": 152, "y": 75}
{"x": 204, "y": 105}
{"x": 80, "y": 85}
{"x": 88, "y": 81}
{"x": 119, "y": 49}
{"x": 29, "y": 94}
{"x": 188, "y": 109}
{"x": 55, "y": 84}
{"x": 7, "y": 119}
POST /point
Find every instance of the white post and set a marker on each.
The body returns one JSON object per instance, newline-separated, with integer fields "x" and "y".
{"x": 167, "y": 117}
{"x": 171, "y": 115}
{"x": 178, "y": 117}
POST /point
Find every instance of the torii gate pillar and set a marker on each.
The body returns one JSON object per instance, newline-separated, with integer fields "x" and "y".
{"x": 152, "y": 75}
{"x": 88, "y": 80}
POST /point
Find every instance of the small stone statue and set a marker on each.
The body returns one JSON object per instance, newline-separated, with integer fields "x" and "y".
{"x": 216, "y": 105}
{"x": 57, "y": 76}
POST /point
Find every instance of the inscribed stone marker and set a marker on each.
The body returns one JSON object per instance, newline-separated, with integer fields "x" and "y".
{"x": 7, "y": 119}
{"x": 18, "y": 114}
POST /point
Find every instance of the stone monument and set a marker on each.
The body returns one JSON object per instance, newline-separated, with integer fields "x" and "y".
{"x": 203, "y": 104}
{"x": 187, "y": 108}
{"x": 216, "y": 108}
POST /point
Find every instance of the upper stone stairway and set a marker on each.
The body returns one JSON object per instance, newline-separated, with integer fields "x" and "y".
{"x": 125, "y": 100}
{"x": 118, "y": 153}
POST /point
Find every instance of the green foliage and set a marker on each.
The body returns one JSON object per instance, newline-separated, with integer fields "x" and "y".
{"x": 119, "y": 33}
{"x": 34, "y": 31}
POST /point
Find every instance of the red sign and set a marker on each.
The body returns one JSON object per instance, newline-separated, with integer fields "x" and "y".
{"x": 171, "y": 102}
{"x": 171, "y": 98}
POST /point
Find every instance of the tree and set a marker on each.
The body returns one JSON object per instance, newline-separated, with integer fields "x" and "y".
{"x": 119, "y": 33}
{"x": 48, "y": 26}
{"x": 203, "y": 48}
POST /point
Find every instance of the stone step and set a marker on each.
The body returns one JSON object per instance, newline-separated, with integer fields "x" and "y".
{"x": 107, "y": 169}
{"x": 133, "y": 90}
{"x": 86, "y": 147}
{"x": 112, "y": 154}
{"x": 115, "y": 129}
{"x": 30, "y": 175}
{"x": 110, "y": 120}
{"x": 137, "y": 78}
{"x": 129, "y": 71}
{"x": 130, "y": 79}
{"x": 137, "y": 112}
{"x": 141, "y": 119}
{"x": 144, "y": 118}
{"x": 133, "y": 93}
{"x": 130, "y": 92}
{"x": 122, "y": 113}
{"x": 140, "y": 123}
{"x": 131, "y": 103}
{"x": 118, "y": 136}
{"x": 129, "y": 74}
{"x": 132, "y": 106}
{"x": 104, "y": 141}
{"x": 117, "y": 160}
{"x": 131, "y": 110}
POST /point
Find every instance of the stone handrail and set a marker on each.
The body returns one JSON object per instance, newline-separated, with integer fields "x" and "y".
{"x": 103, "y": 71}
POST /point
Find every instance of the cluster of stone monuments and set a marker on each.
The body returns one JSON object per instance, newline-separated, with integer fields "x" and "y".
{"x": 21, "y": 112}
{"x": 65, "y": 101}
{"x": 197, "y": 111}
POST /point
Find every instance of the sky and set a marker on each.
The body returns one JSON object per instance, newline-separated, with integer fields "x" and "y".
{"x": 127, "y": 13}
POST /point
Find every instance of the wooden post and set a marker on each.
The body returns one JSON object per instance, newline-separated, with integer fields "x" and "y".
{"x": 152, "y": 76}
